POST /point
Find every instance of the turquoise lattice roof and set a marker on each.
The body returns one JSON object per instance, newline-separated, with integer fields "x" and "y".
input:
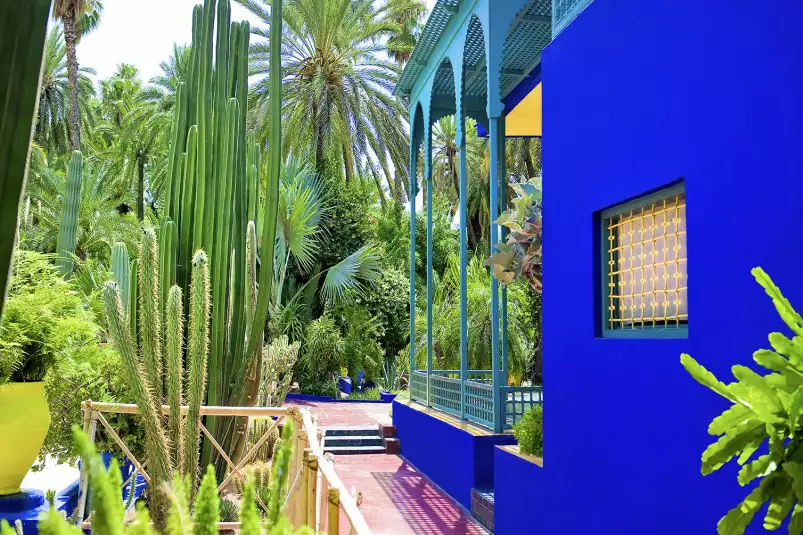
{"x": 528, "y": 35}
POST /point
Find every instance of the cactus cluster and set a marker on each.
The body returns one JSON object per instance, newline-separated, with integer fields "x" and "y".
{"x": 155, "y": 380}
{"x": 257, "y": 428}
{"x": 212, "y": 202}
{"x": 68, "y": 224}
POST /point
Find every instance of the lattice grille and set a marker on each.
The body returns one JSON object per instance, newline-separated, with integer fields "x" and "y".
{"x": 446, "y": 394}
{"x": 647, "y": 265}
{"x": 480, "y": 403}
{"x": 519, "y": 400}
{"x": 418, "y": 386}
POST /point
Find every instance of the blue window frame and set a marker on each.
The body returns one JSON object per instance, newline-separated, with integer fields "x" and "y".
{"x": 645, "y": 267}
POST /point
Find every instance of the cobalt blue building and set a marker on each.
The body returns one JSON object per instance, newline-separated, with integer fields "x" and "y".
{"x": 673, "y": 164}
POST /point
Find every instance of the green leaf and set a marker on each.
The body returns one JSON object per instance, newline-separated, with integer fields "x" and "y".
{"x": 738, "y": 518}
{"x": 795, "y": 471}
{"x": 781, "y": 501}
{"x": 730, "y": 418}
{"x": 796, "y": 523}
{"x": 757, "y": 468}
{"x": 730, "y": 444}
{"x": 705, "y": 377}
{"x": 795, "y": 411}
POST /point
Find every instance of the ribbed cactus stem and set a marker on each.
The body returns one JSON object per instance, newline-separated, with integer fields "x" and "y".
{"x": 250, "y": 273}
{"x": 68, "y": 224}
{"x": 133, "y": 297}
{"x": 197, "y": 353}
{"x": 121, "y": 270}
{"x": 159, "y": 464}
{"x": 173, "y": 355}
{"x": 150, "y": 325}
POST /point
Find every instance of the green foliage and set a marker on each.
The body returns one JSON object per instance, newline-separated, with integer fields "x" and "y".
{"x": 529, "y": 432}
{"x": 229, "y": 510}
{"x": 279, "y": 357}
{"x": 68, "y": 225}
{"x": 257, "y": 429}
{"x": 391, "y": 377}
{"x": 367, "y": 394}
{"x": 322, "y": 353}
{"x": 446, "y": 320}
{"x": 445, "y": 239}
{"x": 44, "y": 321}
{"x": 347, "y": 227}
{"x": 361, "y": 343}
{"x": 520, "y": 255}
{"x": 765, "y": 409}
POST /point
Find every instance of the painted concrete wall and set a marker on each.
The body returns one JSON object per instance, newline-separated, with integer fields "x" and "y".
{"x": 514, "y": 479}
{"x": 452, "y": 458}
{"x": 638, "y": 94}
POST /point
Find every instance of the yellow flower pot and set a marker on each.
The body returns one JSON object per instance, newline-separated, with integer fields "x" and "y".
{"x": 24, "y": 421}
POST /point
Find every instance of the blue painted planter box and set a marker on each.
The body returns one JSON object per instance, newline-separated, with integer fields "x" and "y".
{"x": 515, "y": 476}
{"x": 455, "y": 457}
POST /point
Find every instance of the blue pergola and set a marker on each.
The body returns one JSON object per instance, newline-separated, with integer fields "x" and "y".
{"x": 478, "y": 59}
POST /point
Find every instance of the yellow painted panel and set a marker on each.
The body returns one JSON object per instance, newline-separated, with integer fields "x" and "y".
{"x": 525, "y": 118}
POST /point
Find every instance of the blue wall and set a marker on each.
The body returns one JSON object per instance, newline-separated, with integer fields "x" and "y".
{"x": 453, "y": 458}
{"x": 638, "y": 94}
{"x": 514, "y": 480}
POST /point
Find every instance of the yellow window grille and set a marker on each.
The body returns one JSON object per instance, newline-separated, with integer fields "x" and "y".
{"x": 647, "y": 281}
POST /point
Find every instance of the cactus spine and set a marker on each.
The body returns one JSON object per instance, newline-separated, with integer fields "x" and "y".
{"x": 121, "y": 271}
{"x": 68, "y": 224}
{"x": 133, "y": 297}
{"x": 173, "y": 353}
{"x": 197, "y": 351}
{"x": 150, "y": 323}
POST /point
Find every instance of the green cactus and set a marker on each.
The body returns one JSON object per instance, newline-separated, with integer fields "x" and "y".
{"x": 197, "y": 351}
{"x": 121, "y": 271}
{"x": 258, "y": 427}
{"x": 174, "y": 356}
{"x": 68, "y": 224}
{"x": 133, "y": 297}
{"x": 207, "y": 505}
{"x": 150, "y": 323}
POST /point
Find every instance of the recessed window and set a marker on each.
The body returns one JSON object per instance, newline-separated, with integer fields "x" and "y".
{"x": 645, "y": 280}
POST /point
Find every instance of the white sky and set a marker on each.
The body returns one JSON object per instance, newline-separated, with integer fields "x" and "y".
{"x": 142, "y": 33}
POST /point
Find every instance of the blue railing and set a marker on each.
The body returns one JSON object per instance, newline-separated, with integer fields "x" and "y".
{"x": 518, "y": 400}
{"x": 442, "y": 391}
{"x": 565, "y": 11}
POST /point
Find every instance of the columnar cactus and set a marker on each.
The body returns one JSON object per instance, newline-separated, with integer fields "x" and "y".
{"x": 150, "y": 321}
{"x": 174, "y": 347}
{"x": 121, "y": 271}
{"x": 68, "y": 224}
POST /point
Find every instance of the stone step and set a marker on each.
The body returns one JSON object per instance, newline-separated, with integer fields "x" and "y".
{"x": 354, "y": 450}
{"x": 353, "y": 440}
{"x": 351, "y": 430}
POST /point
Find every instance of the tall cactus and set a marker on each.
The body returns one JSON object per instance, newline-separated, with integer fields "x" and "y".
{"x": 121, "y": 271}
{"x": 68, "y": 224}
{"x": 197, "y": 351}
{"x": 211, "y": 195}
{"x": 174, "y": 348}
{"x": 150, "y": 322}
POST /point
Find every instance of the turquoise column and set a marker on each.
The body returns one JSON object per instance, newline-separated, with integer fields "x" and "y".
{"x": 495, "y": 131}
{"x": 461, "y": 142}
{"x": 502, "y": 207}
{"x": 413, "y": 194}
{"x": 430, "y": 281}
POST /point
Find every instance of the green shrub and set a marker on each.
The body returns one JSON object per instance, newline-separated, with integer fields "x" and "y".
{"x": 369, "y": 394}
{"x": 322, "y": 354}
{"x": 530, "y": 432}
{"x": 44, "y": 319}
{"x": 361, "y": 348}
{"x": 347, "y": 228}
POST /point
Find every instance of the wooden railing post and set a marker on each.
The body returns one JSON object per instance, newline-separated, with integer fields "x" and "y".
{"x": 312, "y": 485}
{"x": 90, "y": 427}
{"x": 333, "y": 514}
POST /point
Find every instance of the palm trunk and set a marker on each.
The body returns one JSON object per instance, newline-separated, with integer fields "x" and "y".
{"x": 528, "y": 159}
{"x": 398, "y": 188}
{"x": 140, "y": 188}
{"x": 70, "y": 40}
{"x": 348, "y": 162}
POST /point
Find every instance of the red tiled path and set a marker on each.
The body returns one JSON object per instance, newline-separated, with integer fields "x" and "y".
{"x": 397, "y": 500}
{"x": 344, "y": 413}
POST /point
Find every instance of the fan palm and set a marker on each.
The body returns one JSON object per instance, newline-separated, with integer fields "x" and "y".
{"x": 79, "y": 17}
{"x": 338, "y": 111}
{"x": 52, "y": 130}
{"x": 407, "y": 14}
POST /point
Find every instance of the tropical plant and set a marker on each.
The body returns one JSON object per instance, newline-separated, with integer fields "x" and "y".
{"x": 362, "y": 351}
{"x": 529, "y": 432}
{"x": 391, "y": 378}
{"x": 766, "y": 409}
{"x": 78, "y": 17}
{"x": 446, "y": 320}
{"x": 52, "y": 130}
{"x": 520, "y": 254}
{"x": 108, "y": 513}
{"x": 368, "y": 394}
{"x": 158, "y": 378}
{"x": 338, "y": 110}
{"x": 279, "y": 357}
{"x": 68, "y": 224}
{"x": 322, "y": 354}
{"x": 44, "y": 321}
{"x": 407, "y": 14}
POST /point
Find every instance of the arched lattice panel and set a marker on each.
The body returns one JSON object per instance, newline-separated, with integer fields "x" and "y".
{"x": 529, "y": 33}
{"x": 475, "y": 70}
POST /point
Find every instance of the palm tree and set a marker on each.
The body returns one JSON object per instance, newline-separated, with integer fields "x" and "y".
{"x": 52, "y": 130}
{"x": 338, "y": 111}
{"x": 79, "y": 17}
{"x": 407, "y": 14}
{"x": 162, "y": 88}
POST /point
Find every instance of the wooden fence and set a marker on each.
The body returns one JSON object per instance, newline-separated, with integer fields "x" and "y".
{"x": 316, "y": 495}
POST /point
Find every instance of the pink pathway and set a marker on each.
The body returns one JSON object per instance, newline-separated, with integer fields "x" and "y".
{"x": 397, "y": 499}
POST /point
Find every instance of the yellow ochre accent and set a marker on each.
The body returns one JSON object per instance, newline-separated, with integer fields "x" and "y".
{"x": 525, "y": 119}
{"x": 24, "y": 421}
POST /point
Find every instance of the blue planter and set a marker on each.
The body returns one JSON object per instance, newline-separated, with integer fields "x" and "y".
{"x": 387, "y": 397}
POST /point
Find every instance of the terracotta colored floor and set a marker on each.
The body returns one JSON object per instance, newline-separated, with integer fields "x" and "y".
{"x": 397, "y": 500}
{"x": 343, "y": 413}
